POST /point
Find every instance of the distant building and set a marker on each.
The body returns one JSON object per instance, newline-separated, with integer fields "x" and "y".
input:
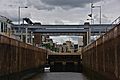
{"x": 60, "y": 48}
{"x": 45, "y": 37}
{"x": 64, "y": 47}
{"x": 70, "y": 47}
{"x": 6, "y": 27}
{"x": 80, "y": 44}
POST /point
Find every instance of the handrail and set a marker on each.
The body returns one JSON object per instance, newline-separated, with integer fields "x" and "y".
{"x": 114, "y": 23}
{"x": 117, "y": 21}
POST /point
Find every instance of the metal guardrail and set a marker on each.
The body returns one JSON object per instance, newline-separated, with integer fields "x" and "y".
{"x": 117, "y": 21}
{"x": 113, "y": 24}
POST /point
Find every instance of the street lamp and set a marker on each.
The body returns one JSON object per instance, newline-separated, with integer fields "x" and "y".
{"x": 100, "y": 10}
{"x": 19, "y": 13}
{"x": 91, "y": 14}
{"x": 19, "y": 21}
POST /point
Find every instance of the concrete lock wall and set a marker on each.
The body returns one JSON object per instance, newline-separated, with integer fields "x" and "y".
{"x": 101, "y": 59}
{"x": 18, "y": 58}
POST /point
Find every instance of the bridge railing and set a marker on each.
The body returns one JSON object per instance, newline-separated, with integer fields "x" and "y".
{"x": 113, "y": 24}
{"x": 117, "y": 21}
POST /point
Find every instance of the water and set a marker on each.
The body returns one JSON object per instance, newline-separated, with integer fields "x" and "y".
{"x": 59, "y": 76}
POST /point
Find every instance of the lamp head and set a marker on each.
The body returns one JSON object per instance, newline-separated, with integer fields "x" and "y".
{"x": 92, "y": 6}
{"x": 26, "y": 7}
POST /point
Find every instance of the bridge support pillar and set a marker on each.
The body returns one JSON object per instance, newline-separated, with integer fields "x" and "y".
{"x": 37, "y": 39}
{"x": 85, "y": 39}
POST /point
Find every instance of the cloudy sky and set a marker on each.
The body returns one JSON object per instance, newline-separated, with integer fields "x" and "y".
{"x": 63, "y": 39}
{"x": 60, "y": 11}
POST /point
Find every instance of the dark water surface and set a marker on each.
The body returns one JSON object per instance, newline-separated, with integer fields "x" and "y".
{"x": 59, "y": 76}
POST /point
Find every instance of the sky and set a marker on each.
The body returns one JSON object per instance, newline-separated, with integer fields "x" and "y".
{"x": 63, "y": 39}
{"x": 60, "y": 11}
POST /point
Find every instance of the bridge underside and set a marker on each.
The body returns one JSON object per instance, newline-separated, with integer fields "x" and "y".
{"x": 64, "y": 63}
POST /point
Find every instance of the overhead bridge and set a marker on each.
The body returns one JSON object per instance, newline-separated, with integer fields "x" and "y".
{"x": 48, "y": 29}
{"x": 69, "y": 30}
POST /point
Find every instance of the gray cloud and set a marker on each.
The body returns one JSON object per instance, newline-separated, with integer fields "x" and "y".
{"x": 48, "y": 4}
{"x": 39, "y": 5}
{"x": 66, "y": 4}
{"x": 59, "y": 13}
{"x": 52, "y": 4}
{"x": 59, "y": 22}
{"x": 104, "y": 18}
{"x": 13, "y": 15}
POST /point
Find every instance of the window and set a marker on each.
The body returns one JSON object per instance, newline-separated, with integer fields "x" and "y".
{"x": 5, "y": 27}
{"x": 2, "y": 26}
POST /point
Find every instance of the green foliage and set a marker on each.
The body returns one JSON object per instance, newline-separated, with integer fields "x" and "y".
{"x": 48, "y": 46}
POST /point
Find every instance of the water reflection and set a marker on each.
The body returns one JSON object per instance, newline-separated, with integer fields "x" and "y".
{"x": 59, "y": 76}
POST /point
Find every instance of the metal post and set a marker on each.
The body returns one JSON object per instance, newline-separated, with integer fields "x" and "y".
{"x": 100, "y": 14}
{"x": 91, "y": 13}
{"x": 89, "y": 34}
{"x": 19, "y": 15}
{"x": 31, "y": 37}
{"x": 0, "y": 27}
{"x": 87, "y": 37}
{"x": 19, "y": 31}
{"x": 26, "y": 35}
{"x": 22, "y": 33}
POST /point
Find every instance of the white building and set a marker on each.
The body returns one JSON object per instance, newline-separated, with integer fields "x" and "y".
{"x": 5, "y": 26}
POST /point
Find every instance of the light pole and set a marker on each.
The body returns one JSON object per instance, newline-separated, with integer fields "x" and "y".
{"x": 91, "y": 15}
{"x": 19, "y": 21}
{"x": 100, "y": 10}
{"x": 19, "y": 13}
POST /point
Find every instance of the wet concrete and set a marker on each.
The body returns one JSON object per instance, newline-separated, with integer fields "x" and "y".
{"x": 59, "y": 76}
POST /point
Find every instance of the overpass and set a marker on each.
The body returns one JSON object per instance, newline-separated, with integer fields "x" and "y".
{"x": 86, "y": 30}
{"x": 96, "y": 28}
